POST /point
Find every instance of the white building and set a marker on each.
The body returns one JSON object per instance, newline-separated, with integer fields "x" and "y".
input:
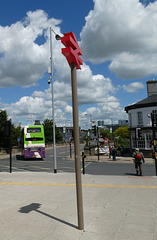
{"x": 140, "y": 120}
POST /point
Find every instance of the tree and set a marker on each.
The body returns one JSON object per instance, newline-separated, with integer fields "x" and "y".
{"x": 48, "y": 129}
{"x": 105, "y": 133}
{"x": 16, "y": 133}
{"x": 122, "y": 134}
{"x": 122, "y": 131}
{"x": 3, "y": 119}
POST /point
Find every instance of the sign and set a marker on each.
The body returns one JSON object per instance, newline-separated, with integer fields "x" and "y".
{"x": 72, "y": 50}
{"x": 104, "y": 150}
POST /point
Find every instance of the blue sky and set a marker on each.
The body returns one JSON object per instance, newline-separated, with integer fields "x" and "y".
{"x": 118, "y": 40}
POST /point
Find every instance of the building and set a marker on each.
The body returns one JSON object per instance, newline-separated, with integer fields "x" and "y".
{"x": 140, "y": 124}
{"x": 100, "y": 123}
{"x": 122, "y": 122}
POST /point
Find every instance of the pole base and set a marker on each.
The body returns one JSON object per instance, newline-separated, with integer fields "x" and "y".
{"x": 55, "y": 170}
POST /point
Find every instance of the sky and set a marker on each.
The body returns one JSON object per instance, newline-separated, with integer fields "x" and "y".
{"x": 118, "y": 40}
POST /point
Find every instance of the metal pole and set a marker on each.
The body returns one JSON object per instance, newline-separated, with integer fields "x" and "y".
{"x": 154, "y": 138}
{"x": 10, "y": 136}
{"x": 77, "y": 148}
{"x": 53, "y": 116}
{"x": 98, "y": 150}
{"x": 70, "y": 150}
{"x": 83, "y": 157}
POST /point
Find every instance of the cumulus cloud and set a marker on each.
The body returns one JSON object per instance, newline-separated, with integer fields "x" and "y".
{"x": 23, "y": 61}
{"x": 39, "y": 104}
{"x": 133, "y": 87}
{"x": 123, "y": 32}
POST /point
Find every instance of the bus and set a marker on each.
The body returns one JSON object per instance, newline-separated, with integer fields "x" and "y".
{"x": 34, "y": 141}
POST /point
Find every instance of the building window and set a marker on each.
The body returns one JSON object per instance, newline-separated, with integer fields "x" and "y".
{"x": 139, "y": 118}
{"x": 130, "y": 120}
{"x": 144, "y": 142}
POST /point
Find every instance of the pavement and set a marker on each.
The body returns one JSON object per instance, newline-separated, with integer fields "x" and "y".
{"x": 43, "y": 206}
{"x": 119, "y": 159}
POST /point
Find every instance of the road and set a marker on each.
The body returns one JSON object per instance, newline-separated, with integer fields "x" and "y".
{"x": 65, "y": 164}
{"x": 122, "y": 169}
{"x": 38, "y": 165}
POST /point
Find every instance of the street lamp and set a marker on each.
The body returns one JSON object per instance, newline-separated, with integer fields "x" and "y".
{"x": 52, "y": 91}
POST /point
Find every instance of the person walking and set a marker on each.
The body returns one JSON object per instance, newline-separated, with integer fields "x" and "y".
{"x": 138, "y": 159}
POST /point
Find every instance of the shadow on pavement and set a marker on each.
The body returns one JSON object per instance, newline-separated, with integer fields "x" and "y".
{"x": 131, "y": 174}
{"x": 36, "y": 206}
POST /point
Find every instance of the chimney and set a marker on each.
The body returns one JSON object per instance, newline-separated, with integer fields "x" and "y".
{"x": 151, "y": 87}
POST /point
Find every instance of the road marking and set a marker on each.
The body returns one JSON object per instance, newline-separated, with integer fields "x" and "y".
{"x": 86, "y": 165}
{"x": 73, "y": 185}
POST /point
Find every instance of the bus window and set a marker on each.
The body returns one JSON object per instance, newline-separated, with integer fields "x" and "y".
{"x": 33, "y": 130}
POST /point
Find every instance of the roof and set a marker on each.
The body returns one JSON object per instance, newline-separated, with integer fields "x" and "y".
{"x": 147, "y": 102}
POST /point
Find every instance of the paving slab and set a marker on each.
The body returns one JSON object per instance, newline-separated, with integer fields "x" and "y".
{"x": 42, "y": 206}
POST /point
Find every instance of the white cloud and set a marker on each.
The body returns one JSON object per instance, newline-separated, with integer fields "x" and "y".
{"x": 23, "y": 62}
{"x": 133, "y": 87}
{"x": 39, "y": 105}
{"x": 123, "y": 32}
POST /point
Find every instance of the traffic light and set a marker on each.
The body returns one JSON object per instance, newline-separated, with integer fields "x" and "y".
{"x": 94, "y": 129}
{"x": 64, "y": 129}
{"x": 151, "y": 143}
{"x": 154, "y": 120}
{"x": 7, "y": 128}
{"x": 139, "y": 133}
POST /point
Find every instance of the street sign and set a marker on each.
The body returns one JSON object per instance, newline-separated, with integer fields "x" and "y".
{"x": 72, "y": 50}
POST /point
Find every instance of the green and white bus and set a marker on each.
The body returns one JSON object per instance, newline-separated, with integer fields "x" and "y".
{"x": 34, "y": 141}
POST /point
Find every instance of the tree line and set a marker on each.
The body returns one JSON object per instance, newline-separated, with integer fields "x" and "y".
{"x": 121, "y": 134}
{"x": 17, "y": 132}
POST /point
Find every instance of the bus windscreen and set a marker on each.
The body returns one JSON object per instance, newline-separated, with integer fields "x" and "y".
{"x": 33, "y": 130}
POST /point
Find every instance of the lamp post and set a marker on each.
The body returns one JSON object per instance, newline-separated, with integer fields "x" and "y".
{"x": 53, "y": 115}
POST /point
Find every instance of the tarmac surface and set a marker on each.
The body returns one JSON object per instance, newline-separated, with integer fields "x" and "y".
{"x": 42, "y": 206}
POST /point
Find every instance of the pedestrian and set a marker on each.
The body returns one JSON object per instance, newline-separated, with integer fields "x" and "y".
{"x": 138, "y": 159}
{"x": 114, "y": 153}
{"x": 110, "y": 151}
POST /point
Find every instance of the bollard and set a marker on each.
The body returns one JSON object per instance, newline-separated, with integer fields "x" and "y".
{"x": 98, "y": 149}
{"x": 70, "y": 151}
{"x": 83, "y": 157}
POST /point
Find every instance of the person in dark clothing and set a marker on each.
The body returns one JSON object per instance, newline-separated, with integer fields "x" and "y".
{"x": 114, "y": 153}
{"x": 138, "y": 159}
{"x": 110, "y": 151}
